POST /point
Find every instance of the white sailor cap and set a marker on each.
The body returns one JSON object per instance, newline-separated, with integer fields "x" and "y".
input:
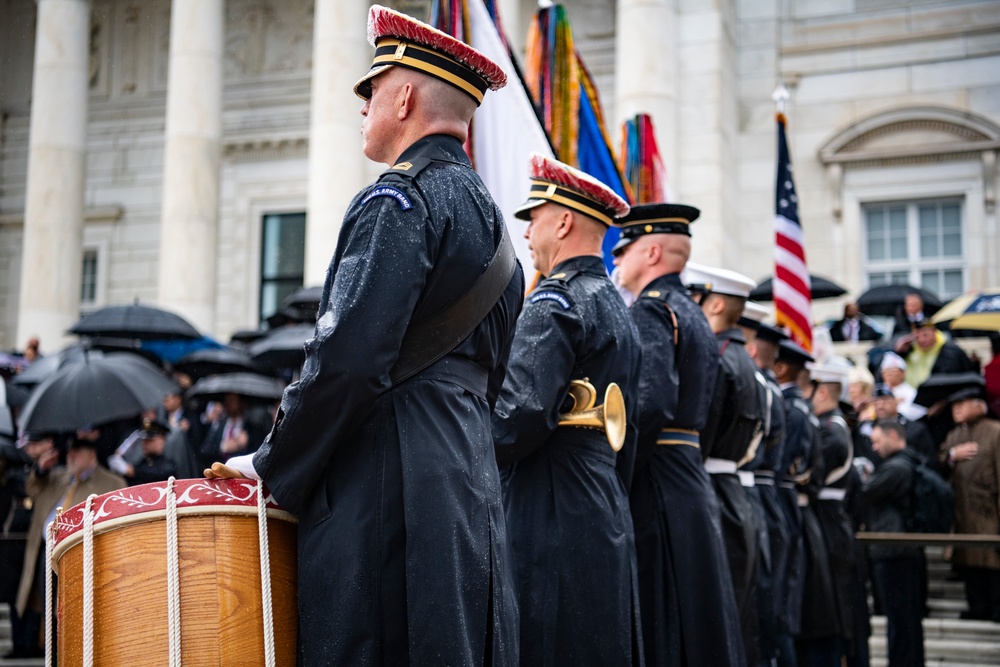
{"x": 835, "y": 369}
{"x": 720, "y": 281}
{"x": 892, "y": 360}
{"x": 756, "y": 312}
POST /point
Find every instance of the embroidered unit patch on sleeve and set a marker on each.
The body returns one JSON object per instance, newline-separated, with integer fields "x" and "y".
{"x": 388, "y": 191}
{"x": 552, "y": 296}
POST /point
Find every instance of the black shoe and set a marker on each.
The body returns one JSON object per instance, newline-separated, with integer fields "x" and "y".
{"x": 974, "y": 615}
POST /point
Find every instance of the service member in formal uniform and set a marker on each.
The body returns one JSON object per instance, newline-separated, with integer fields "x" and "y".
{"x": 795, "y": 471}
{"x": 772, "y": 549}
{"x": 686, "y": 591}
{"x": 565, "y": 502}
{"x": 154, "y": 466}
{"x": 732, "y": 434}
{"x": 383, "y": 447}
{"x": 836, "y": 449}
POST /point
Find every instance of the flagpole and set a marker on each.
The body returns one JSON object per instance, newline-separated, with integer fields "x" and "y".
{"x": 780, "y": 95}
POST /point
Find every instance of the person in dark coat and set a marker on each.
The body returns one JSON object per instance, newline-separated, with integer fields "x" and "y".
{"x": 795, "y": 471}
{"x": 154, "y": 466}
{"x": 918, "y": 438}
{"x": 235, "y": 433}
{"x": 929, "y": 352}
{"x": 897, "y": 571}
{"x": 565, "y": 502}
{"x": 732, "y": 434}
{"x": 836, "y": 450}
{"x": 852, "y": 327}
{"x": 762, "y": 346}
{"x": 686, "y": 591}
{"x": 908, "y": 314}
{"x": 403, "y": 550}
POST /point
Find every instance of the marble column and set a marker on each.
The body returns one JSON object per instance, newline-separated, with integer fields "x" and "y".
{"x": 192, "y": 153}
{"x": 646, "y": 78}
{"x": 52, "y": 258}
{"x": 337, "y": 166}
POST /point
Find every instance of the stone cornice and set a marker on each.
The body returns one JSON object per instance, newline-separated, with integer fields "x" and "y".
{"x": 878, "y": 41}
{"x": 96, "y": 215}
{"x": 265, "y": 147}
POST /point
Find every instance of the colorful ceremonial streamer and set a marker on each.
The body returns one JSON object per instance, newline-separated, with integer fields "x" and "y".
{"x": 641, "y": 163}
{"x": 566, "y": 98}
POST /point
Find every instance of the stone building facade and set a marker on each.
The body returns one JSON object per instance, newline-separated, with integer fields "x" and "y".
{"x": 198, "y": 154}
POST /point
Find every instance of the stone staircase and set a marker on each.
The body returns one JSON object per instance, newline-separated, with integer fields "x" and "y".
{"x": 5, "y": 643}
{"x": 948, "y": 641}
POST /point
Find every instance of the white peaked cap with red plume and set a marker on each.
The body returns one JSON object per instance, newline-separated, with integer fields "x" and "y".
{"x": 403, "y": 41}
{"x": 557, "y": 182}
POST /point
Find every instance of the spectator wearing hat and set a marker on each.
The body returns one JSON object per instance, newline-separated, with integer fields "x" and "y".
{"x": 892, "y": 368}
{"x": 898, "y": 572}
{"x": 971, "y": 457}
{"x": 685, "y": 587}
{"x": 732, "y": 433}
{"x": 918, "y": 438}
{"x": 51, "y": 486}
{"x": 154, "y": 466}
{"x": 852, "y": 327}
{"x": 799, "y": 457}
{"x": 927, "y": 352}
{"x": 383, "y": 447}
{"x": 565, "y": 487}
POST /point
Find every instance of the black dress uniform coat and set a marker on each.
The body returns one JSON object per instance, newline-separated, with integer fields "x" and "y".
{"x": 686, "y": 591}
{"x": 800, "y": 441}
{"x": 838, "y": 529}
{"x": 565, "y": 502}
{"x": 151, "y": 469}
{"x": 403, "y": 552}
{"x": 735, "y": 418}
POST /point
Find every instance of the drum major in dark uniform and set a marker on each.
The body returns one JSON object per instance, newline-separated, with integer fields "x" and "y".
{"x": 688, "y": 604}
{"x": 731, "y": 435}
{"x": 403, "y": 552}
{"x": 566, "y": 504}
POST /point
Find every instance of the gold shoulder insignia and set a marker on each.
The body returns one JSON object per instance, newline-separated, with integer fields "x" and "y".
{"x": 402, "y": 166}
{"x": 653, "y": 293}
{"x": 558, "y": 276}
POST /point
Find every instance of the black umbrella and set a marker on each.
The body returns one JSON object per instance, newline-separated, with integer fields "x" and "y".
{"x": 301, "y": 306}
{"x": 215, "y": 361}
{"x": 43, "y": 367}
{"x": 17, "y": 397}
{"x": 135, "y": 321}
{"x": 248, "y": 385}
{"x": 888, "y": 300}
{"x": 941, "y": 386}
{"x": 283, "y": 348}
{"x": 95, "y": 391}
{"x": 244, "y": 337}
{"x": 822, "y": 288}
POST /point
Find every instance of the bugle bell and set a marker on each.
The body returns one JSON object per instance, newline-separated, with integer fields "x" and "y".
{"x": 608, "y": 417}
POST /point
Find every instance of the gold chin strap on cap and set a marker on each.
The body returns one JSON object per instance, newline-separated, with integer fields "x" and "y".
{"x": 609, "y": 417}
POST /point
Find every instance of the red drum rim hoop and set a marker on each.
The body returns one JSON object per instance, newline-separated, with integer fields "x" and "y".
{"x": 148, "y": 502}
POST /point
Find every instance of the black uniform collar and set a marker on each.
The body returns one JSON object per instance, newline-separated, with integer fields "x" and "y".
{"x": 436, "y": 147}
{"x": 734, "y": 335}
{"x": 588, "y": 264}
{"x": 668, "y": 282}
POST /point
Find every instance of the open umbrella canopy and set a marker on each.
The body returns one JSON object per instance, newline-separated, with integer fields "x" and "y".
{"x": 284, "y": 347}
{"x": 217, "y": 361}
{"x": 888, "y": 299}
{"x": 941, "y": 386}
{"x": 135, "y": 321}
{"x": 822, "y": 288}
{"x": 248, "y": 385}
{"x": 979, "y": 311}
{"x": 95, "y": 391}
{"x": 43, "y": 367}
{"x": 300, "y": 306}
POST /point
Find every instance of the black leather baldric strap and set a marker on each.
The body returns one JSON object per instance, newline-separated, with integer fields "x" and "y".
{"x": 432, "y": 338}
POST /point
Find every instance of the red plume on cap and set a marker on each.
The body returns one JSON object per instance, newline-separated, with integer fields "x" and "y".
{"x": 385, "y": 22}
{"x": 546, "y": 169}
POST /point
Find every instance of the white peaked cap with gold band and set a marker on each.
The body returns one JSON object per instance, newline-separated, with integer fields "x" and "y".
{"x": 756, "y": 312}
{"x": 720, "y": 281}
{"x": 834, "y": 369}
{"x": 403, "y": 41}
{"x": 555, "y": 182}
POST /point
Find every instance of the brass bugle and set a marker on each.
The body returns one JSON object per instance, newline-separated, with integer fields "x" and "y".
{"x": 608, "y": 417}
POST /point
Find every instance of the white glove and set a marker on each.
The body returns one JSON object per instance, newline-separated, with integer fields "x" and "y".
{"x": 244, "y": 464}
{"x": 117, "y": 464}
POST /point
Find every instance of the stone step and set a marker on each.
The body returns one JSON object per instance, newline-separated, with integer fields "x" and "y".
{"x": 946, "y": 608}
{"x": 947, "y": 651}
{"x": 948, "y": 628}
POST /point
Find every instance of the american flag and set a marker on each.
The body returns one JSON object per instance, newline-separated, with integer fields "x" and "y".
{"x": 792, "y": 291}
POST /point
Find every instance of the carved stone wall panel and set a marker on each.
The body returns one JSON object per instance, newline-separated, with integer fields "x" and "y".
{"x": 99, "y": 63}
{"x": 134, "y": 44}
{"x": 267, "y": 38}
{"x": 160, "y": 10}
